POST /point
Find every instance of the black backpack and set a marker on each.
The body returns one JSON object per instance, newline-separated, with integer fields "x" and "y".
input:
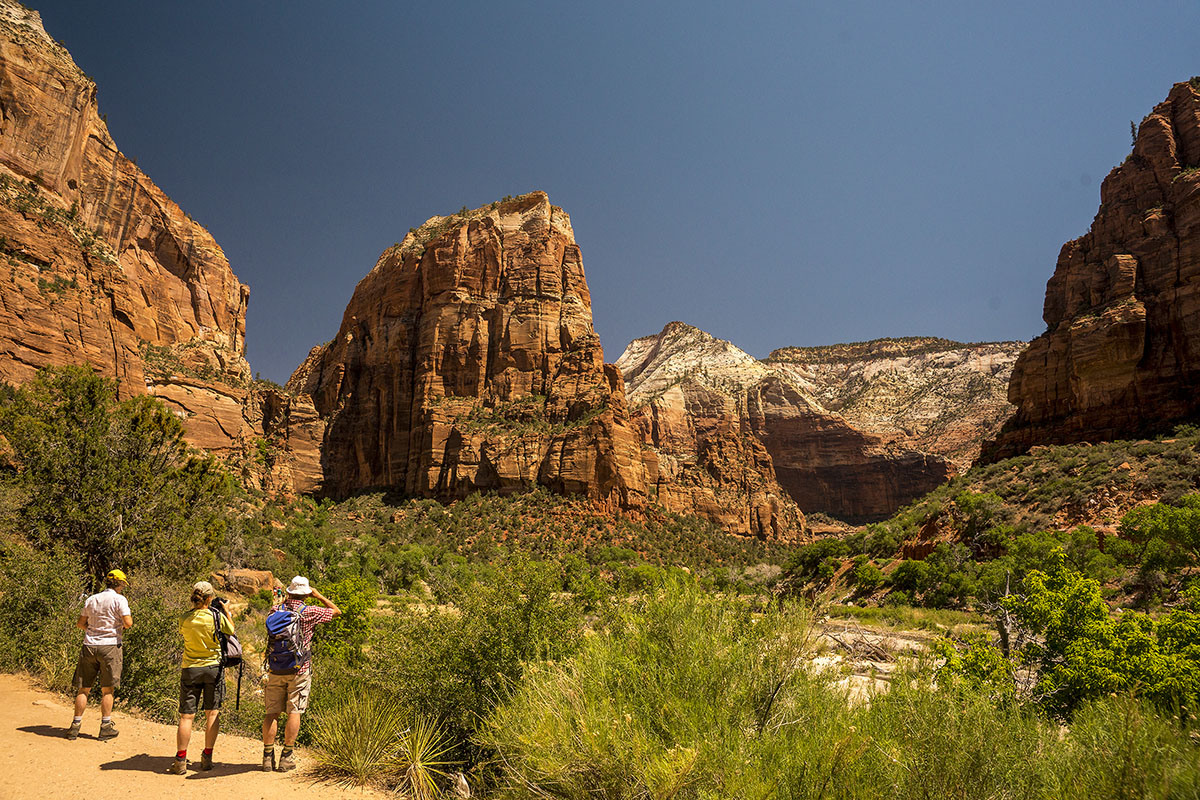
{"x": 231, "y": 648}
{"x": 231, "y": 652}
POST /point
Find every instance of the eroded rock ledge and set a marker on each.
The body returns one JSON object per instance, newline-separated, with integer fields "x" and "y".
{"x": 1121, "y": 354}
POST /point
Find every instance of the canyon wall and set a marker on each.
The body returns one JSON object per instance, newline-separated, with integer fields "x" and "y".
{"x": 466, "y": 360}
{"x": 1120, "y": 356}
{"x": 854, "y": 431}
{"x": 97, "y": 265}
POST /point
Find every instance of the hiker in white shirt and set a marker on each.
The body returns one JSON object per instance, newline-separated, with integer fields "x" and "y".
{"x": 104, "y": 620}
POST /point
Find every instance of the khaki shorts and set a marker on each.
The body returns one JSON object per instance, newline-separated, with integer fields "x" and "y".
{"x": 287, "y": 693}
{"x": 98, "y": 659}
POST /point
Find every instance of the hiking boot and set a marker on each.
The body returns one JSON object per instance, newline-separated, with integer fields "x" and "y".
{"x": 108, "y": 731}
{"x": 286, "y": 764}
{"x": 269, "y": 761}
{"x": 205, "y": 762}
{"x": 178, "y": 766}
{"x": 73, "y": 731}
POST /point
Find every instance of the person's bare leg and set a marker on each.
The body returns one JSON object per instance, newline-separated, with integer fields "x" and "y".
{"x": 212, "y": 728}
{"x": 81, "y": 702}
{"x": 270, "y": 729}
{"x": 292, "y": 729}
{"x": 106, "y": 701}
{"x": 184, "y": 735}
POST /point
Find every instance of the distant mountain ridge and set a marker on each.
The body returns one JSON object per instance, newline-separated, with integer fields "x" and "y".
{"x": 854, "y": 430}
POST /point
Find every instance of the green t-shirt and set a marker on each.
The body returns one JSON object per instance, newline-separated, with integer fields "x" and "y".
{"x": 200, "y": 646}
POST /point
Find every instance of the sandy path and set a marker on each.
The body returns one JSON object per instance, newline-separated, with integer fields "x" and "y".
{"x": 36, "y": 761}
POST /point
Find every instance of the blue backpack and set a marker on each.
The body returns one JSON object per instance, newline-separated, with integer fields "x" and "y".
{"x": 285, "y": 646}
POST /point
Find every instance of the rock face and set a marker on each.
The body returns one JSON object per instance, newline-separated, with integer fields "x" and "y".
{"x": 102, "y": 267}
{"x": 466, "y": 360}
{"x": 854, "y": 431}
{"x": 1121, "y": 353}
{"x": 689, "y": 392}
{"x": 933, "y": 396}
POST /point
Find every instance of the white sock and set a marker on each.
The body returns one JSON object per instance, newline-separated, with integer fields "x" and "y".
{"x": 106, "y": 719}
{"x": 77, "y": 720}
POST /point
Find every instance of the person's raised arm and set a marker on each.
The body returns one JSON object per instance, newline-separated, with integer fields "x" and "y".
{"x": 81, "y": 623}
{"x": 325, "y": 601}
{"x": 127, "y": 621}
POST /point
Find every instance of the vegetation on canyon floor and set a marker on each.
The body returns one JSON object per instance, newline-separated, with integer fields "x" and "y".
{"x": 545, "y": 648}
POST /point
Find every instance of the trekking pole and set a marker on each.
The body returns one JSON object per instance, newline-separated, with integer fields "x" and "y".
{"x": 238, "y": 703}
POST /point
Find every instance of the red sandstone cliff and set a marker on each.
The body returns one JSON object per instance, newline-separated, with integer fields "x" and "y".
{"x": 1121, "y": 353}
{"x": 466, "y": 360}
{"x": 97, "y": 265}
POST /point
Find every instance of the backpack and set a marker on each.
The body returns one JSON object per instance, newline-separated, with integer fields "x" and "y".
{"x": 231, "y": 648}
{"x": 285, "y": 646}
{"x": 231, "y": 652}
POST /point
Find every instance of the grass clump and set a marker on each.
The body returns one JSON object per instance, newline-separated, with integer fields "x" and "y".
{"x": 363, "y": 740}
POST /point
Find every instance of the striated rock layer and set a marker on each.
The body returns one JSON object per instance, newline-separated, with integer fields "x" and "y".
{"x": 1121, "y": 353}
{"x": 854, "y": 431}
{"x": 930, "y": 395}
{"x": 466, "y": 360}
{"x": 688, "y": 390}
{"x": 97, "y": 265}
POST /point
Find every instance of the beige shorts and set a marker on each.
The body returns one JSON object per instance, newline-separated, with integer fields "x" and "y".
{"x": 287, "y": 693}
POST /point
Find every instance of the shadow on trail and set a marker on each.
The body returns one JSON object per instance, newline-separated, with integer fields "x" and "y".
{"x": 148, "y": 763}
{"x": 220, "y": 769}
{"x": 141, "y": 763}
{"x": 53, "y": 731}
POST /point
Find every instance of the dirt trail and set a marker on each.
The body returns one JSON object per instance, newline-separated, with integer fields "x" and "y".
{"x": 36, "y": 761}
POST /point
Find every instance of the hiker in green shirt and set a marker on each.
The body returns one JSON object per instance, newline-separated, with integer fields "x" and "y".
{"x": 202, "y": 683}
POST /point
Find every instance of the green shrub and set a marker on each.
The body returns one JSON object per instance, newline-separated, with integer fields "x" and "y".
{"x": 453, "y": 664}
{"x": 1120, "y": 748}
{"x": 112, "y": 480}
{"x": 42, "y": 599}
{"x": 868, "y": 577}
{"x": 671, "y": 699}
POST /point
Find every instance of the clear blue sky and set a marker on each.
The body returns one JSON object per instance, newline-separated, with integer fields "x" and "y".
{"x": 775, "y": 173}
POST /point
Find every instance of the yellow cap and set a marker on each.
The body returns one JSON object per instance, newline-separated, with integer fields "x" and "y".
{"x": 117, "y": 575}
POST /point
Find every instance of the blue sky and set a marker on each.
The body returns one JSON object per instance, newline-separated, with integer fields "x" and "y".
{"x": 774, "y": 173}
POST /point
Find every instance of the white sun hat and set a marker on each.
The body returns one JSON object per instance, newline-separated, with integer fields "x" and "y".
{"x": 299, "y": 585}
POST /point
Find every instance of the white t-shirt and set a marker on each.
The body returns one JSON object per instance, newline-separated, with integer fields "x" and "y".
{"x": 104, "y": 612}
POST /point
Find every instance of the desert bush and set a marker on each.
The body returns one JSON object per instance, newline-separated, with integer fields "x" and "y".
{"x": 931, "y": 743}
{"x": 112, "y": 480}
{"x": 42, "y": 597}
{"x": 671, "y": 699}
{"x": 1120, "y": 748}
{"x": 454, "y": 663}
{"x": 365, "y": 739}
{"x": 153, "y": 647}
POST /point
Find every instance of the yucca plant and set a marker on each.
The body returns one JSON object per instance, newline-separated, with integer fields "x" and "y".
{"x": 360, "y": 739}
{"x": 420, "y": 759}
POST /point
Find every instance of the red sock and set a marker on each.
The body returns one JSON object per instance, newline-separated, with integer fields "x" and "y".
{"x": 208, "y": 751}
{"x": 181, "y": 754}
